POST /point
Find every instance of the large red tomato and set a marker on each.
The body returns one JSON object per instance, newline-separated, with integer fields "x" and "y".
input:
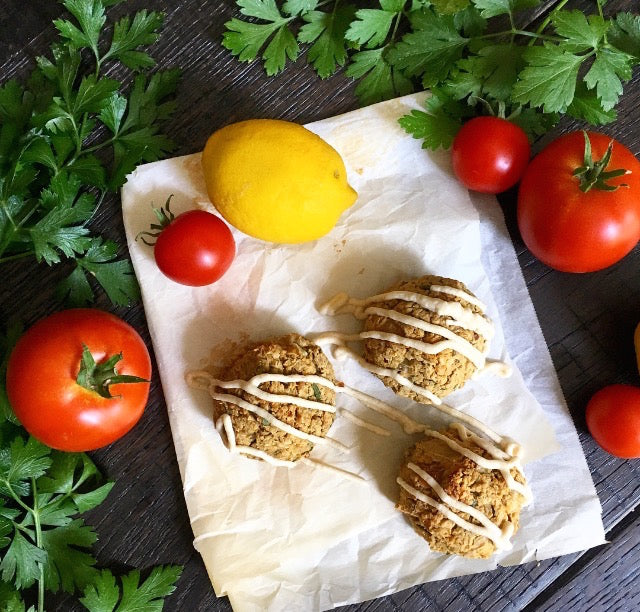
{"x": 573, "y": 229}
{"x": 489, "y": 154}
{"x": 613, "y": 418}
{"x": 77, "y": 400}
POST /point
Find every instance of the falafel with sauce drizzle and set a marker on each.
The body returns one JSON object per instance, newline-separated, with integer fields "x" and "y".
{"x": 277, "y": 401}
{"x": 454, "y": 501}
{"x": 424, "y": 338}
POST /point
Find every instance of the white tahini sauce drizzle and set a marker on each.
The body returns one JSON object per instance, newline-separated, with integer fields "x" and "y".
{"x": 224, "y": 424}
{"x": 381, "y": 431}
{"x": 340, "y": 351}
{"x": 504, "y": 453}
{"x": 463, "y": 295}
{"x": 500, "y": 537}
{"x": 203, "y": 380}
{"x": 460, "y": 315}
{"x": 505, "y": 456}
{"x": 456, "y": 342}
{"x": 456, "y": 314}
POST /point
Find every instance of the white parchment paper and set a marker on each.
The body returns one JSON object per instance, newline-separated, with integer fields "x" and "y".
{"x": 306, "y": 538}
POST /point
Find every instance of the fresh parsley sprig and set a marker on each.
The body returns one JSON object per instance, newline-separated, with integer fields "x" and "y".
{"x": 475, "y": 56}
{"x": 70, "y": 135}
{"x": 43, "y": 542}
{"x": 104, "y": 595}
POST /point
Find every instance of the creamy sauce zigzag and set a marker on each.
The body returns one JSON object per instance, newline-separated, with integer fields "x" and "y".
{"x": 504, "y": 453}
{"x": 456, "y": 314}
{"x": 251, "y": 386}
{"x": 505, "y": 456}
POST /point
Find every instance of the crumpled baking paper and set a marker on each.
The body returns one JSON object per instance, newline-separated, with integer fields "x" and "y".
{"x": 307, "y": 538}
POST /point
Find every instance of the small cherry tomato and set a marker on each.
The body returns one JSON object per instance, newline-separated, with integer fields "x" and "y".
{"x": 579, "y": 203}
{"x": 490, "y": 154}
{"x": 79, "y": 379}
{"x": 613, "y": 418}
{"x": 194, "y": 248}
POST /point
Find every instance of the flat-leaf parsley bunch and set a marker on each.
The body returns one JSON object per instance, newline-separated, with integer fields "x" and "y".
{"x": 45, "y": 544}
{"x": 71, "y": 134}
{"x": 473, "y": 55}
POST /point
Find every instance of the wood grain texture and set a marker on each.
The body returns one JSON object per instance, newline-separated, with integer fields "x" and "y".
{"x": 587, "y": 321}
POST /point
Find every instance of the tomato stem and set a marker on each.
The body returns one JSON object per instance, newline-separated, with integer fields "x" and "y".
{"x": 164, "y": 217}
{"x": 592, "y": 174}
{"x": 98, "y": 377}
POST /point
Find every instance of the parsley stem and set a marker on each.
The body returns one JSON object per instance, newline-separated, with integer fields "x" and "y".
{"x": 398, "y": 17}
{"x": 38, "y": 527}
{"x": 547, "y": 20}
{"x": 534, "y": 35}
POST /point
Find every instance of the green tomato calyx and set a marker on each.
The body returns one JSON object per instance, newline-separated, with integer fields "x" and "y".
{"x": 98, "y": 377}
{"x": 164, "y": 217}
{"x": 593, "y": 174}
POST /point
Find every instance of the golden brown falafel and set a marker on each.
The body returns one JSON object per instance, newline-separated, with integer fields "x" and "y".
{"x": 439, "y": 373}
{"x": 289, "y": 355}
{"x": 464, "y": 480}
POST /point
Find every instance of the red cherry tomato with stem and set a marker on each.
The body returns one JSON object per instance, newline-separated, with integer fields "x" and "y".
{"x": 490, "y": 154}
{"x": 581, "y": 222}
{"x": 79, "y": 379}
{"x": 613, "y": 418}
{"x": 194, "y": 248}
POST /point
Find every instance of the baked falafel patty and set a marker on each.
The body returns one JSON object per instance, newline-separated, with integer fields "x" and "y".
{"x": 288, "y": 355}
{"x": 444, "y": 369}
{"x": 484, "y": 490}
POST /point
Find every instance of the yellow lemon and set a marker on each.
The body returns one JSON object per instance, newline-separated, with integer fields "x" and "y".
{"x": 276, "y": 180}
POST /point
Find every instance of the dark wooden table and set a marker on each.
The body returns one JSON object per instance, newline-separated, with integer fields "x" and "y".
{"x": 587, "y": 320}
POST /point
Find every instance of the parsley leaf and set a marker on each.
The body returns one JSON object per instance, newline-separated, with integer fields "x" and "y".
{"x": 100, "y": 262}
{"x": 380, "y": 80}
{"x": 246, "y": 39}
{"x": 493, "y": 8}
{"x": 90, "y": 18}
{"x": 581, "y": 32}
{"x": 625, "y": 34}
{"x": 298, "y": 7}
{"x": 328, "y": 31}
{"x": 475, "y": 52}
{"x": 430, "y": 50}
{"x": 52, "y": 131}
{"x": 587, "y": 107}
{"x": 440, "y": 123}
{"x": 41, "y": 493}
{"x": 11, "y": 599}
{"x": 131, "y": 34}
{"x": 67, "y": 567}
{"x": 8, "y": 340}
{"x": 371, "y": 27}
{"x": 549, "y": 80}
{"x": 606, "y": 74}
{"x": 19, "y": 463}
{"x": 103, "y": 595}
{"x": 21, "y": 562}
